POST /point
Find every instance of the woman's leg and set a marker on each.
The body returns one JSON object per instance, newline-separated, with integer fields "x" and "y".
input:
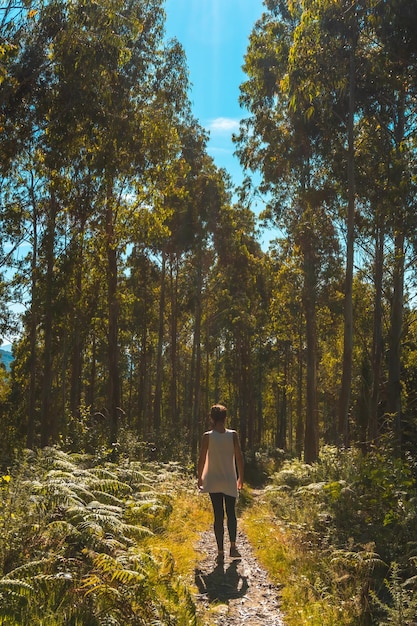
{"x": 218, "y": 510}
{"x": 231, "y": 518}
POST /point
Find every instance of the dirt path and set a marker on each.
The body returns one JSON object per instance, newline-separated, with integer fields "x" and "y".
{"x": 237, "y": 592}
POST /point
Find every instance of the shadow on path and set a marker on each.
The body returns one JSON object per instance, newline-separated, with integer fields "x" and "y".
{"x": 222, "y": 584}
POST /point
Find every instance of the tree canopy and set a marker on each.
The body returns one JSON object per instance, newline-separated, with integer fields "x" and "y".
{"x": 145, "y": 291}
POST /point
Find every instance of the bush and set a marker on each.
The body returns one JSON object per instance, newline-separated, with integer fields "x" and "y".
{"x": 72, "y": 543}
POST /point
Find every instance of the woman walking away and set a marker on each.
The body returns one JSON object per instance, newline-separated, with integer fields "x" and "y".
{"x": 219, "y": 454}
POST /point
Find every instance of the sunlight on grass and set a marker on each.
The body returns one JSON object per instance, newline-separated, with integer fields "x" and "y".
{"x": 190, "y": 516}
{"x": 307, "y": 590}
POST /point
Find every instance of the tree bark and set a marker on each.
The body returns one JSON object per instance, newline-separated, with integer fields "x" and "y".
{"x": 377, "y": 341}
{"x": 196, "y": 400}
{"x": 173, "y": 344}
{"x": 76, "y": 358}
{"x": 48, "y": 425}
{"x": 397, "y": 305}
{"x": 396, "y": 328}
{"x": 33, "y": 332}
{"x": 158, "y": 375}
{"x": 344, "y": 399}
{"x": 113, "y": 323}
{"x": 311, "y": 438}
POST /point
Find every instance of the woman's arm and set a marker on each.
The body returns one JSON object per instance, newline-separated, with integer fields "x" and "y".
{"x": 202, "y": 459}
{"x": 239, "y": 460}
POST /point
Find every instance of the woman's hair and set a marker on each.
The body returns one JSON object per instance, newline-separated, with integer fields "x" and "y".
{"x": 218, "y": 413}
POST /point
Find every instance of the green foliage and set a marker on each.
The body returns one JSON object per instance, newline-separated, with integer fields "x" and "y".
{"x": 72, "y": 543}
{"x": 344, "y": 522}
{"x": 401, "y": 607}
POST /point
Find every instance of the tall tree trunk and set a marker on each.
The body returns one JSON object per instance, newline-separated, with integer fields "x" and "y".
{"x": 196, "y": 401}
{"x": 242, "y": 388}
{"x": 397, "y": 305}
{"x": 76, "y": 357}
{"x": 33, "y": 329}
{"x": 113, "y": 322}
{"x": 396, "y": 329}
{"x": 48, "y": 424}
{"x": 344, "y": 399}
{"x": 283, "y": 407}
{"x": 300, "y": 376}
{"x": 91, "y": 387}
{"x": 174, "y": 344}
{"x": 311, "y": 438}
{"x": 158, "y": 374}
{"x": 377, "y": 340}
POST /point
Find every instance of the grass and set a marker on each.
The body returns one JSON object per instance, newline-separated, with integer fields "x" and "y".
{"x": 190, "y": 516}
{"x": 310, "y": 593}
{"x": 331, "y": 533}
{"x": 133, "y": 529}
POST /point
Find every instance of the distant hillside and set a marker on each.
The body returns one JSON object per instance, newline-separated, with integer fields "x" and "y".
{"x": 6, "y": 356}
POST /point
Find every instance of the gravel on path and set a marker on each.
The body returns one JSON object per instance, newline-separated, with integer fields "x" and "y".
{"x": 236, "y": 592}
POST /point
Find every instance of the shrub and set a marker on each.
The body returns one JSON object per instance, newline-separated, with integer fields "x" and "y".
{"x": 72, "y": 545}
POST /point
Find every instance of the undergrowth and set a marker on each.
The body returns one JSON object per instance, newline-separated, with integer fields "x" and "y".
{"x": 340, "y": 537}
{"x": 86, "y": 543}
{"x": 106, "y": 540}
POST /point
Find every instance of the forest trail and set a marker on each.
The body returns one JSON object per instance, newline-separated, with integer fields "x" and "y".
{"x": 237, "y": 592}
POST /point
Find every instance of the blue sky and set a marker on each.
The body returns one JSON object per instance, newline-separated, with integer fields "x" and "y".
{"x": 215, "y": 36}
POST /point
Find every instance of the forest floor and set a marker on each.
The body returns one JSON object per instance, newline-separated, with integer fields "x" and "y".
{"x": 237, "y": 592}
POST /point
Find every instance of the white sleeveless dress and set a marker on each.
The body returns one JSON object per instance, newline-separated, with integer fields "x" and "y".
{"x": 219, "y": 473}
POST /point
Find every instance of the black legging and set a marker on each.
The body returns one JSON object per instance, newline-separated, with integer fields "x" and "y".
{"x": 218, "y": 500}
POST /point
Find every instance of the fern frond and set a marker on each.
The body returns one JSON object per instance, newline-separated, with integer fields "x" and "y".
{"x": 27, "y": 570}
{"x": 104, "y": 508}
{"x": 104, "y": 473}
{"x": 16, "y": 586}
{"x": 61, "y": 529}
{"x": 110, "y": 485}
{"x": 107, "y": 498}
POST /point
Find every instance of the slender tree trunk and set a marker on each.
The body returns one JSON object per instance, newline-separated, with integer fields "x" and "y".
{"x": 243, "y": 382}
{"x": 196, "y": 403}
{"x": 76, "y": 358}
{"x": 113, "y": 322}
{"x": 311, "y": 438}
{"x": 259, "y": 405}
{"x": 344, "y": 400}
{"x": 283, "y": 411}
{"x": 377, "y": 341}
{"x": 300, "y": 375}
{"x": 397, "y": 305}
{"x": 174, "y": 345}
{"x": 158, "y": 374}
{"x": 91, "y": 388}
{"x": 396, "y": 329}
{"x": 33, "y": 330}
{"x": 48, "y": 424}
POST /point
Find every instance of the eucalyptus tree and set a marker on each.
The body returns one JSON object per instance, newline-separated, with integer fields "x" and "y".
{"x": 22, "y": 62}
{"x": 395, "y": 76}
{"x": 284, "y": 143}
{"x": 110, "y": 100}
{"x": 357, "y": 67}
{"x": 236, "y": 317}
{"x": 209, "y": 197}
{"x": 326, "y": 80}
{"x": 193, "y": 198}
{"x": 131, "y": 130}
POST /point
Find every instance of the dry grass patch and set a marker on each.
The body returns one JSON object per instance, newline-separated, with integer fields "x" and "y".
{"x": 190, "y": 516}
{"x": 311, "y": 591}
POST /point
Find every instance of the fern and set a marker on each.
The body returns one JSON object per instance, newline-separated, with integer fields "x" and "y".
{"x": 402, "y": 609}
{"x": 81, "y": 560}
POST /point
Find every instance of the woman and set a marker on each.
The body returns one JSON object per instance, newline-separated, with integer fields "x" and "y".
{"x": 220, "y": 452}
